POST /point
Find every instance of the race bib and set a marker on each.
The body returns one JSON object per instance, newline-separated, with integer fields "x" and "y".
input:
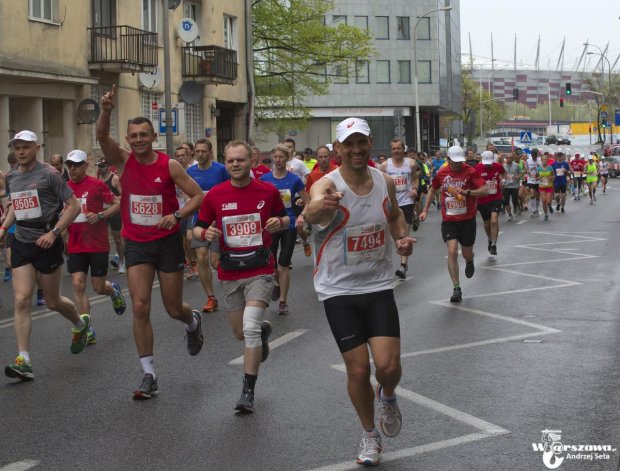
{"x": 401, "y": 182}
{"x": 560, "y": 172}
{"x": 26, "y": 205}
{"x": 145, "y": 210}
{"x": 509, "y": 178}
{"x": 82, "y": 216}
{"x": 577, "y": 174}
{"x": 365, "y": 243}
{"x": 244, "y": 230}
{"x": 492, "y": 186}
{"x": 544, "y": 181}
{"x": 454, "y": 207}
{"x": 285, "y": 194}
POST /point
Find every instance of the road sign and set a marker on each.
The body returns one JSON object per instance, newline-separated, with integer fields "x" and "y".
{"x": 162, "y": 121}
{"x": 603, "y": 107}
{"x": 526, "y": 137}
{"x": 617, "y": 118}
{"x": 604, "y": 114}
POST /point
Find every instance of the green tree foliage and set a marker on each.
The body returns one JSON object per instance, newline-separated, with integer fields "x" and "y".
{"x": 297, "y": 53}
{"x": 492, "y": 110}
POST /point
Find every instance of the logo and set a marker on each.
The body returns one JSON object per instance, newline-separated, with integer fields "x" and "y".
{"x": 260, "y": 204}
{"x": 350, "y": 125}
{"x": 555, "y": 452}
{"x": 229, "y": 206}
{"x": 157, "y": 180}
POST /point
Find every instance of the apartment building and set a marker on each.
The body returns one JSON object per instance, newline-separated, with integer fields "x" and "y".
{"x": 59, "y": 56}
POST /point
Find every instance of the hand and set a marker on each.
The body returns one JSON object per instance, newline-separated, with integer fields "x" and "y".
{"x": 273, "y": 225}
{"x": 299, "y": 222}
{"x": 92, "y": 218}
{"x": 108, "y": 101}
{"x": 299, "y": 202}
{"x": 213, "y": 233}
{"x": 167, "y": 222}
{"x": 331, "y": 199}
{"x": 422, "y": 216}
{"x": 46, "y": 240}
{"x": 404, "y": 246}
{"x": 413, "y": 193}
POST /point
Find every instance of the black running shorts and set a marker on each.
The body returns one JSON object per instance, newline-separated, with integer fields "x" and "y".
{"x": 286, "y": 241}
{"x": 44, "y": 261}
{"x": 166, "y": 254}
{"x": 408, "y": 212}
{"x": 81, "y": 262}
{"x": 486, "y": 209}
{"x": 463, "y": 231}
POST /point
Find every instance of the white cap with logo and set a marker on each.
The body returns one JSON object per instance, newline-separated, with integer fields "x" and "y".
{"x": 77, "y": 156}
{"x": 487, "y": 157}
{"x": 25, "y": 135}
{"x": 456, "y": 154}
{"x": 351, "y": 126}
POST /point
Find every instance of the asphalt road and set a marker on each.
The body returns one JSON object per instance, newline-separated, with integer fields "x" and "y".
{"x": 534, "y": 346}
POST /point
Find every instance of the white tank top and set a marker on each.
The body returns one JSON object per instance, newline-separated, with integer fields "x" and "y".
{"x": 402, "y": 179}
{"x": 354, "y": 251}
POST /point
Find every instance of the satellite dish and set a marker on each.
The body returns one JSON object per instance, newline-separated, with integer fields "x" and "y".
{"x": 173, "y": 4}
{"x": 187, "y": 30}
{"x": 191, "y": 92}
{"x": 88, "y": 111}
{"x": 150, "y": 80}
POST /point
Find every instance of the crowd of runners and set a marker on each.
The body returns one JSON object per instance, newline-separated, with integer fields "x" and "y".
{"x": 185, "y": 215}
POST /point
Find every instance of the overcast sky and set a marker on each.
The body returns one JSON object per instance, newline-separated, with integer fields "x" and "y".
{"x": 594, "y": 20}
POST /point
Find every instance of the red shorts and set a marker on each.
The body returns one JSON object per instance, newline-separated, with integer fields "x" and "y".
{"x": 545, "y": 190}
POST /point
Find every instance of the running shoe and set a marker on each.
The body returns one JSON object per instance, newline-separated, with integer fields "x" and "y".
{"x": 415, "y": 224}
{"x": 282, "y": 308}
{"x": 195, "y": 339}
{"x": 79, "y": 338}
{"x": 493, "y": 250}
{"x": 245, "y": 404}
{"x": 265, "y": 332}
{"x": 546, "y": 217}
{"x": 118, "y": 301}
{"x": 562, "y": 210}
{"x": 147, "y": 389}
{"x": 40, "y": 298}
{"x": 550, "y": 209}
{"x": 401, "y": 272}
{"x": 92, "y": 336}
{"x": 210, "y": 305}
{"x": 275, "y": 294}
{"x": 21, "y": 369}
{"x": 457, "y": 296}
{"x": 307, "y": 249}
{"x": 122, "y": 269}
{"x": 370, "y": 450}
{"x": 8, "y": 275}
{"x": 509, "y": 217}
{"x": 469, "y": 269}
{"x": 390, "y": 419}
{"x": 489, "y": 246}
{"x": 114, "y": 261}
{"x": 557, "y": 207}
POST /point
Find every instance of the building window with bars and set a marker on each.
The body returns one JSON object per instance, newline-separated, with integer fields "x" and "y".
{"x": 150, "y": 109}
{"x": 194, "y": 123}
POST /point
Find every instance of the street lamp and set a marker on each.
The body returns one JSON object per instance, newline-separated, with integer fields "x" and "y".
{"x": 604, "y": 98}
{"x": 415, "y": 75}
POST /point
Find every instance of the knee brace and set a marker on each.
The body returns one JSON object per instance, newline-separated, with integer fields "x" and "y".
{"x": 252, "y": 317}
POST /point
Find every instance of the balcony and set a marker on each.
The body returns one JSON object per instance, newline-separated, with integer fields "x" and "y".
{"x": 122, "y": 49}
{"x": 210, "y": 64}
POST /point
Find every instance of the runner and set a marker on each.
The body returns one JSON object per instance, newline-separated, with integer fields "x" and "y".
{"x": 546, "y": 179}
{"x": 36, "y": 190}
{"x": 150, "y": 213}
{"x": 207, "y": 173}
{"x": 290, "y": 188}
{"x": 242, "y": 213}
{"x": 591, "y": 171}
{"x": 352, "y": 210}
{"x": 459, "y": 184}
{"x": 88, "y": 244}
{"x": 8, "y": 274}
{"x": 603, "y": 168}
{"x": 257, "y": 167}
{"x": 114, "y": 221}
{"x": 57, "y": 162}
{"x": 577, "y": 166}
{"x": 298, "y": 167}
{"x": 324, "y": 165}
{"x": 437, "y": 162}
{"x": 181, "y": 155}
{"x": 532, "y": 164}
{"x": 512, "y": 182}
{"x": 404, "y": 172}
{"x": 309, "y": 160}
{"x": 560, "y": 181}
{"x": 491, "y": 204}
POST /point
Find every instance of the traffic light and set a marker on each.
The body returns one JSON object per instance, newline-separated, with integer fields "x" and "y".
{"x": 561, "y": 102}
{"x": 603, "y": 124}
{"x": 515, "y": 93}
{"x": 568, "y": 88}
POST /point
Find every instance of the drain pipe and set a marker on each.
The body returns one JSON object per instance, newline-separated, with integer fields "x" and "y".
{"x": 249, "y": 65}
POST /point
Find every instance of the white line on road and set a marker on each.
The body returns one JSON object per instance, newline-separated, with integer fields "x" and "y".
{"x": 276, "y": 343}
{"x": 521, "y": 222}
{"x": 20, "y": 465}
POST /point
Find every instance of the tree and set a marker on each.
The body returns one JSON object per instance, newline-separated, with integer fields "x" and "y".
{"x": 296, "y": 54}
{"x": 492, "y": 109}
{"x": 605, "y": 90}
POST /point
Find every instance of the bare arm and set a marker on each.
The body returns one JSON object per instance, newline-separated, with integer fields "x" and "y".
{"x": 188, "y": 186}
{"x": 113, "y": 152}
{"x": 71, "y": 211}
{"x": 323, "y": 204}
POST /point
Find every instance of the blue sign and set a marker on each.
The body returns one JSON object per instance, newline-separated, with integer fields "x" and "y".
{"x": 526, "y": 137}
{"x": 617, "y": 120}
{"x": 162, "y": 121}
{"x": 187, "y": 25}
{"x": 604, "y": 114}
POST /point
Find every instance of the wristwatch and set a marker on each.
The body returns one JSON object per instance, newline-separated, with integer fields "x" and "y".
{"x": 177, "y": 215}
{"x": 56, "y": 231}
{"x": 100, "y": 216}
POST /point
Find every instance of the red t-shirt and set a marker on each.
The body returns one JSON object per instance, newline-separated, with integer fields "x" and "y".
{"x": 92, "y": 194}
{"x": 241, "y": 215}
{"x": 148, "y": 194}
{"x": 316, "y": 175}
{"x": 577, "y": 165}
{"x": 492, "y": 175}
{"x": 260, "y": 171}
{"x": 453, "y": 208}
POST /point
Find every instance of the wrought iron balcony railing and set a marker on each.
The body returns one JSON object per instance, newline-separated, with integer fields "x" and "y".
{"x": 210, "y": 64}
{"x": 123, "y": 49}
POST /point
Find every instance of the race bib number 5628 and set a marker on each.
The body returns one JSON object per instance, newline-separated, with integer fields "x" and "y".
{"x": 145, "y": 210}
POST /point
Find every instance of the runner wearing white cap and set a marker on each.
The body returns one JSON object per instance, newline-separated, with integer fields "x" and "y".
{"x": 490, "y": 205}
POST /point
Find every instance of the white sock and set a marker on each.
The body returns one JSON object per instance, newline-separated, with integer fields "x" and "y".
{"x": 192, "y": 326}
{"x": 79, "y": 325}
{"x": 391, "y": 398}
{"x": 148, "y": 365}
{"x": 26, "y": 356}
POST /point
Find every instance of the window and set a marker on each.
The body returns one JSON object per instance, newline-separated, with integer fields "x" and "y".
{"x": 194, "y": 124}
{"x": 382, "y": 27}
{"x": 424, "y": 28}
{"x": 151, "y": 102}
{"x": 96, "y": 92}
{"x": 341, "y": 73}
{"x": 361, "y": 22}
{"x": 191, "y": 10}
{"x": 404, "y": 71}
{"x": 104, "y": 13}
{"x": 361, "y": 72}
{"x": 230, "y": 32}
{"x": 149, "y": 15}
{"x": 383, "y": 71}
{"x": 424, "y": 72}
{"x": 319, "y": 71}
{"x": 402, "y": 23}
{"x": 339, "y": 20}
{"x": 45, "y": 10}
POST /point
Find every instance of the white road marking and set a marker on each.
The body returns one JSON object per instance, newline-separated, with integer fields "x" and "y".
{"x": 20, "y": 465}
{"x": 523, "y": 221}
{"x": 276, "y": 343}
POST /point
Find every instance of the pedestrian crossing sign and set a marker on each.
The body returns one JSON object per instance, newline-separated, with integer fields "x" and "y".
{"x": 526, "y": 137}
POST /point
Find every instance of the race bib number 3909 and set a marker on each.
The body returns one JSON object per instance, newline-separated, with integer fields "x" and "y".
{"x": 365, "y": 243}
{"x": 26, "y": 205}
{"x": 243, "y": 230}
{"x": 145, "y": 210}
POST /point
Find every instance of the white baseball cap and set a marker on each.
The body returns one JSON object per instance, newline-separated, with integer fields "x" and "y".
{"x": 330, "y": 147}
{"x": 25, "y": 135}
{"x": 77, "y": 156}
{"x": 488, "y": 157}
{"x": 351, "y": 126}
{"x": 456, "y": 154}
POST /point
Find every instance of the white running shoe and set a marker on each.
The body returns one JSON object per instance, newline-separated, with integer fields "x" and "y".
{"x": 390, "y": 420}
{"x": 370, "y": 449}
{"x": 122, "y": 268}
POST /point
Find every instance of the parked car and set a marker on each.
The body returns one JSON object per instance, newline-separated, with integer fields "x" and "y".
{"x": 614, "y": 165}
{"x": 558, "y": 140}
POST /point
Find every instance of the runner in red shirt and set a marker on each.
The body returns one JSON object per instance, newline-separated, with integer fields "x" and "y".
{"x": 89, "y": 245}
{"x": 242, "y": 213}
{"x": 459, "y": 185}
{"x": 491, "y": 204}
{"x": 151, "y": 216}
{"x": 258, "y": 168}
{"x": 323, "y": 167}
{"x": 577, "y": 166}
